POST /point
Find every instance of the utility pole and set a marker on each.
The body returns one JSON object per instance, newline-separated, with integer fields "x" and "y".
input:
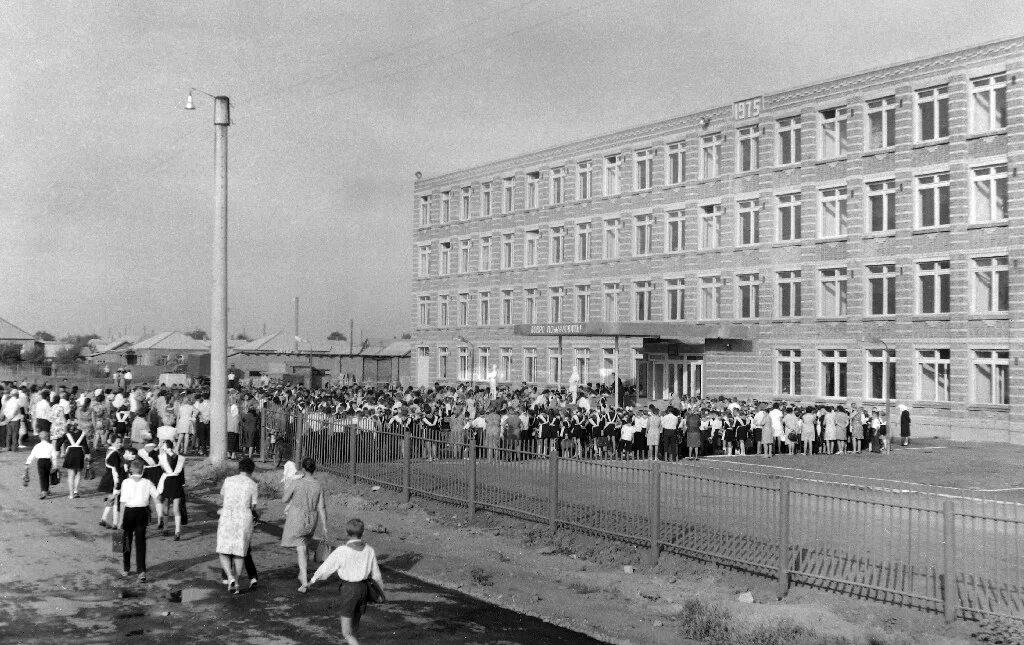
{"x": 351, "y": 329}
{"x": 296, "y": 324}
{"x": 219, "y": 326}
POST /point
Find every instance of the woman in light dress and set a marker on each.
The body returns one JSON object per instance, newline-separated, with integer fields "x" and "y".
{"x": 234, "y": 529}
{"x": 304, "y": 506}
{"x": 186, "y": 424}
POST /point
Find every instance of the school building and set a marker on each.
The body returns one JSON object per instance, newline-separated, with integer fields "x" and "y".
{"x": 847, "y": 241}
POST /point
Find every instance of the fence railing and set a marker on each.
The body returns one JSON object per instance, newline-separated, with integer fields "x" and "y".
{"x": 930, "y": 549}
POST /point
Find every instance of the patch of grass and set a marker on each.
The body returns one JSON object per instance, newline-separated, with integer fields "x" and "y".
{"x": 1002, "y": 631}
{"x": 481, "y": 577}
{"x": 705, "y": 622}
{"x": 582, "y": 588}
{"x": 712, "y": 625}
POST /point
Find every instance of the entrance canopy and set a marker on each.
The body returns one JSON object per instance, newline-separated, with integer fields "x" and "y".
{"x": 685, "y": 332}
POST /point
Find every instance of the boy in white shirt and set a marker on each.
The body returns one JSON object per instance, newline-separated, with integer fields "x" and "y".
{"x": 136, "y": 493}
{"x": 45, "y": 456}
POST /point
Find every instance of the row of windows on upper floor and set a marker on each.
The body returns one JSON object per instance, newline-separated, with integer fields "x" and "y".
{"x": 988, "y": 286}
{"x": 989, "y": 204}
{"x": 987, "y": 113}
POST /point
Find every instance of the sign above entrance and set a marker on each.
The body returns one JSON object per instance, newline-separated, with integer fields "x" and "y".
{"x": 692, "y": 332}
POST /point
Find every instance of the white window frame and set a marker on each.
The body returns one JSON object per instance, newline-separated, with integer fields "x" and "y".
{"x": 530, "y": 306}
{"x": 554, "y": 374}
{"x": 838, "y": 360}
{"x": 930, "y": 188}
{"x": 533, "y": 190}
{"x": 675, "y": 299}
{"x": 442, "y": 362}
{"x": 789, "y": 208}
{"x": 643, "y": 169}
{"x": 710, "y": 303}
{"x": 424, "y": 311}
{"x": 484, "y": 308}
{"x": 505, "y": 364}
{"x": 748, "y": 222}
{"x": 530, "y": 364}
{"x": 465, "y": 370}
{"x": 709, "y": 223}
{"x": 833, "y": 128}
{"x": 936, "y": 100}
{"x": 508, "y": 250}
{"x": 886, "y": 360}
{"x": 486, "y": 199}
{"x": 610, "y": 304}
{"x": 933, "y": 276}
{"x": 531, "y": 248}
{"x": 486, "y": 253}
{"x": 711, "y": 155}
{"x": 508, "y": 191}
{"x": 424, "y": 261}
{"x": 880, "y": 198}
{"x": 997, "y": 361}
{"x": 444, "y": 314}
{"x": 465, "y": 249}
{"x": 446, "y": 207}
{"x": 444, "y": 258}
{"x": 556, "y": 304}
{"x": 789, "y": 286}
{"x": 880, "y": 116}
{"x": 996, "y": 270}
{"x": 463, "y": 312}
{"x": 994, "y": 179}
{"x": 557, "y": 186}
{"x": 788, "y": 130}
{"x": 612, "y": 184}
{"x": 584, "y": 242}
{"x": 556, "y": 252}
{"x": 612, "y": 238}
{"x": 880, "y": 277}
{"x": 748, "y": 148}
{"x": 582, "y": 303}
{"x": 581, "y": 362}
{"x": 643, "y": 296}
{"x": 507, "y": 306}
{"x": 748, "y": 292}
{"x": 584, "y": 180}
{"x": 643, "y": 235}
{"x": 836, "y": 306}
{"x": 675, "y": 231}
{"x": 833, "y": 202}
{"x": 675, "y": 171}
{"x": 424, "y": 210}
{"x": 467, "y": 196}
{"x": 938, "y": 359}
{"x": 988, "y": 103}
{"x": 788, "y": 365}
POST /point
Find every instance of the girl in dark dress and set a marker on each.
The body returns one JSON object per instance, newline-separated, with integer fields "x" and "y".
{"x": 110, "y": 483}
{"x": 172, "y": 484}
{"x": 904, "y": 425}
{"x": 74, "y": 457}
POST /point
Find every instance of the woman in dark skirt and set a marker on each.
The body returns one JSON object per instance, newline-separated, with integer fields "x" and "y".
{"x": 172, "y": 484}
{"x": 74, "y": 457}
{"x": 110, "y": 483}
{"x": 904, "y": 425}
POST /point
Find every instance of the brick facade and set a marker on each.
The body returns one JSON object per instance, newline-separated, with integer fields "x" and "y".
{"x": 963, "y": 403}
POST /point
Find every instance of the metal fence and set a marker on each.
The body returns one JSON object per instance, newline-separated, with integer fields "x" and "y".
{"x": 933, "y": 548}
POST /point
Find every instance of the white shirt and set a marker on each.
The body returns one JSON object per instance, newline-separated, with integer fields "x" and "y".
{"x": 351, "y": 565}
{"x": 669, "y": 421}
{"x": 12, "y": 410}
{"x": 43, "y": 450}
{"x": 136, "y": 493}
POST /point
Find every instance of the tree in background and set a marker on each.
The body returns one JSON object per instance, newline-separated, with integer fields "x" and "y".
{"x": 45, "y": 336}
{"x": 337, "y": 335}
{"x": 10, "y": 354}
{"x": 197, "y": 334}
{"x": 76, "y": 343}
{"x": 35, "y": 356}
{"x": 241, "y": 336}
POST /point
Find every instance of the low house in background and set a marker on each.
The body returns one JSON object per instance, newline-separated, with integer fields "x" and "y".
{"x": 170, "y": 348}
{"x": 11, "y": 334}
{"x": 279, "y": 355}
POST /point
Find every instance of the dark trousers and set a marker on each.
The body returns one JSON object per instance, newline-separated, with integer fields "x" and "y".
{"x": 202, "y": 435}
{"x": 250, "y": 566}
{"x": 43, "y": 467}
{"x": 134, "y": 523}
{"x": 669, "y": 445}
{"x": 12, "y": 435}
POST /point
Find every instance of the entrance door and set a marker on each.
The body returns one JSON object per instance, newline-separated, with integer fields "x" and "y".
{"x": 423, "y": 371}
{"x": 695, "y": 376}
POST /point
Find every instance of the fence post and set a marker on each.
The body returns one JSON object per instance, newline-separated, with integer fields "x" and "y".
{"x": 406, "y": 465}
{"x": 654, "y": 497}
{"x": 783, "y": 538}
{"x": 471, "y": 485}
{"x": 553, "y": 490}
{"x": 353, "y": 431}
{"x": 300, "y": 427}
{"x": 263, "y": 435}
{"x": 950, "y": 595}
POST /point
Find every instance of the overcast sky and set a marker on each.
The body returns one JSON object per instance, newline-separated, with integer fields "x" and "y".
{"x": 106, "y": 183}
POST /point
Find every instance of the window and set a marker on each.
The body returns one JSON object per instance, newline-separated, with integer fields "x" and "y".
{"x": 582, "y": 241}
{"x": 467, "y": 192}
{"x": 446, "y": 207}
{"x": 557, "y": 185}
{"x": 557, "y": 244}
{"x": 881, "y": 206}
{"x": 674, "y": 292}
{"x": 424, "y": 264}
{"x": 485, "y": 359}
{"x": 465, "y": 364}
{"x": 933, "y": 287}
{"x": 881, "y": 290}
{"x": 530, "y": 248}
{"x": 533, "y": 190}
{"x": 988, "y": 194}
{"x": 444, "y": 262}
{"x": 582, "y": 362}
{"x": 990, "y": 373}
{"x": 506, "y": 307}
{"x": 464, "y": 248}
{"x": 833, "y": 212}
{"x": 643, "y": 169}
{"x": 788, "y": 369}
{"x": 582, "y": 303}
{"x": 530, "y": 364}
{"x": 485, "y": 199}
{"x": 988, "y": 103}
{"x": 612, "y": 168}
{"x": 676, "y": 169}
{"x": 710, "y": 227}
{"x": 674, "y": 232}
{"x": 443, "y": 315}
{"x": 789, "y": 294}
{"x": 881, "y": 123}
{"x": 425, "y": 210}
{"x": 748, "y": 230}
{"x": 933, "y": 113}
{"x": 611, "y": 238}
{"x": 442, "y": 362}
{"x": 424, "y": 310}
{"x": 463, "y": 309}
{"x": 833, "y": 140}
{"x": 557, "y": 295}
{"x": 789, "y": 211}
{"x": 554, "y": 365}
{"x": 584, "y": 180}
{"x": 485, "y": 308}
{"x": 642, "y": 292}
{"x": 789, "y": 141}
{"x": 933, "y": 200}
{"x": 832, "y": 293}
{"x": 507, "y": 191}
{"x": 748, "y": 287}
{"x": 530, "y": 308}
{"x": 881, "y": 381}
{"x": 991, "y": 285}
{"x": 833, "y": 372}
{"x": 642, "y": 230}
{"x": 485, "y": 253}
{"x": 507, "y": 250}
{"x": 710, "y": 297}
{"x": 505, "y": 364}
{"x": 608, "y": 361}
{"x": 747, "y": 148}
{"x": 711, "y": 156}
{"x": 611, "y": 301}
{"x": 933, "y": 375}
